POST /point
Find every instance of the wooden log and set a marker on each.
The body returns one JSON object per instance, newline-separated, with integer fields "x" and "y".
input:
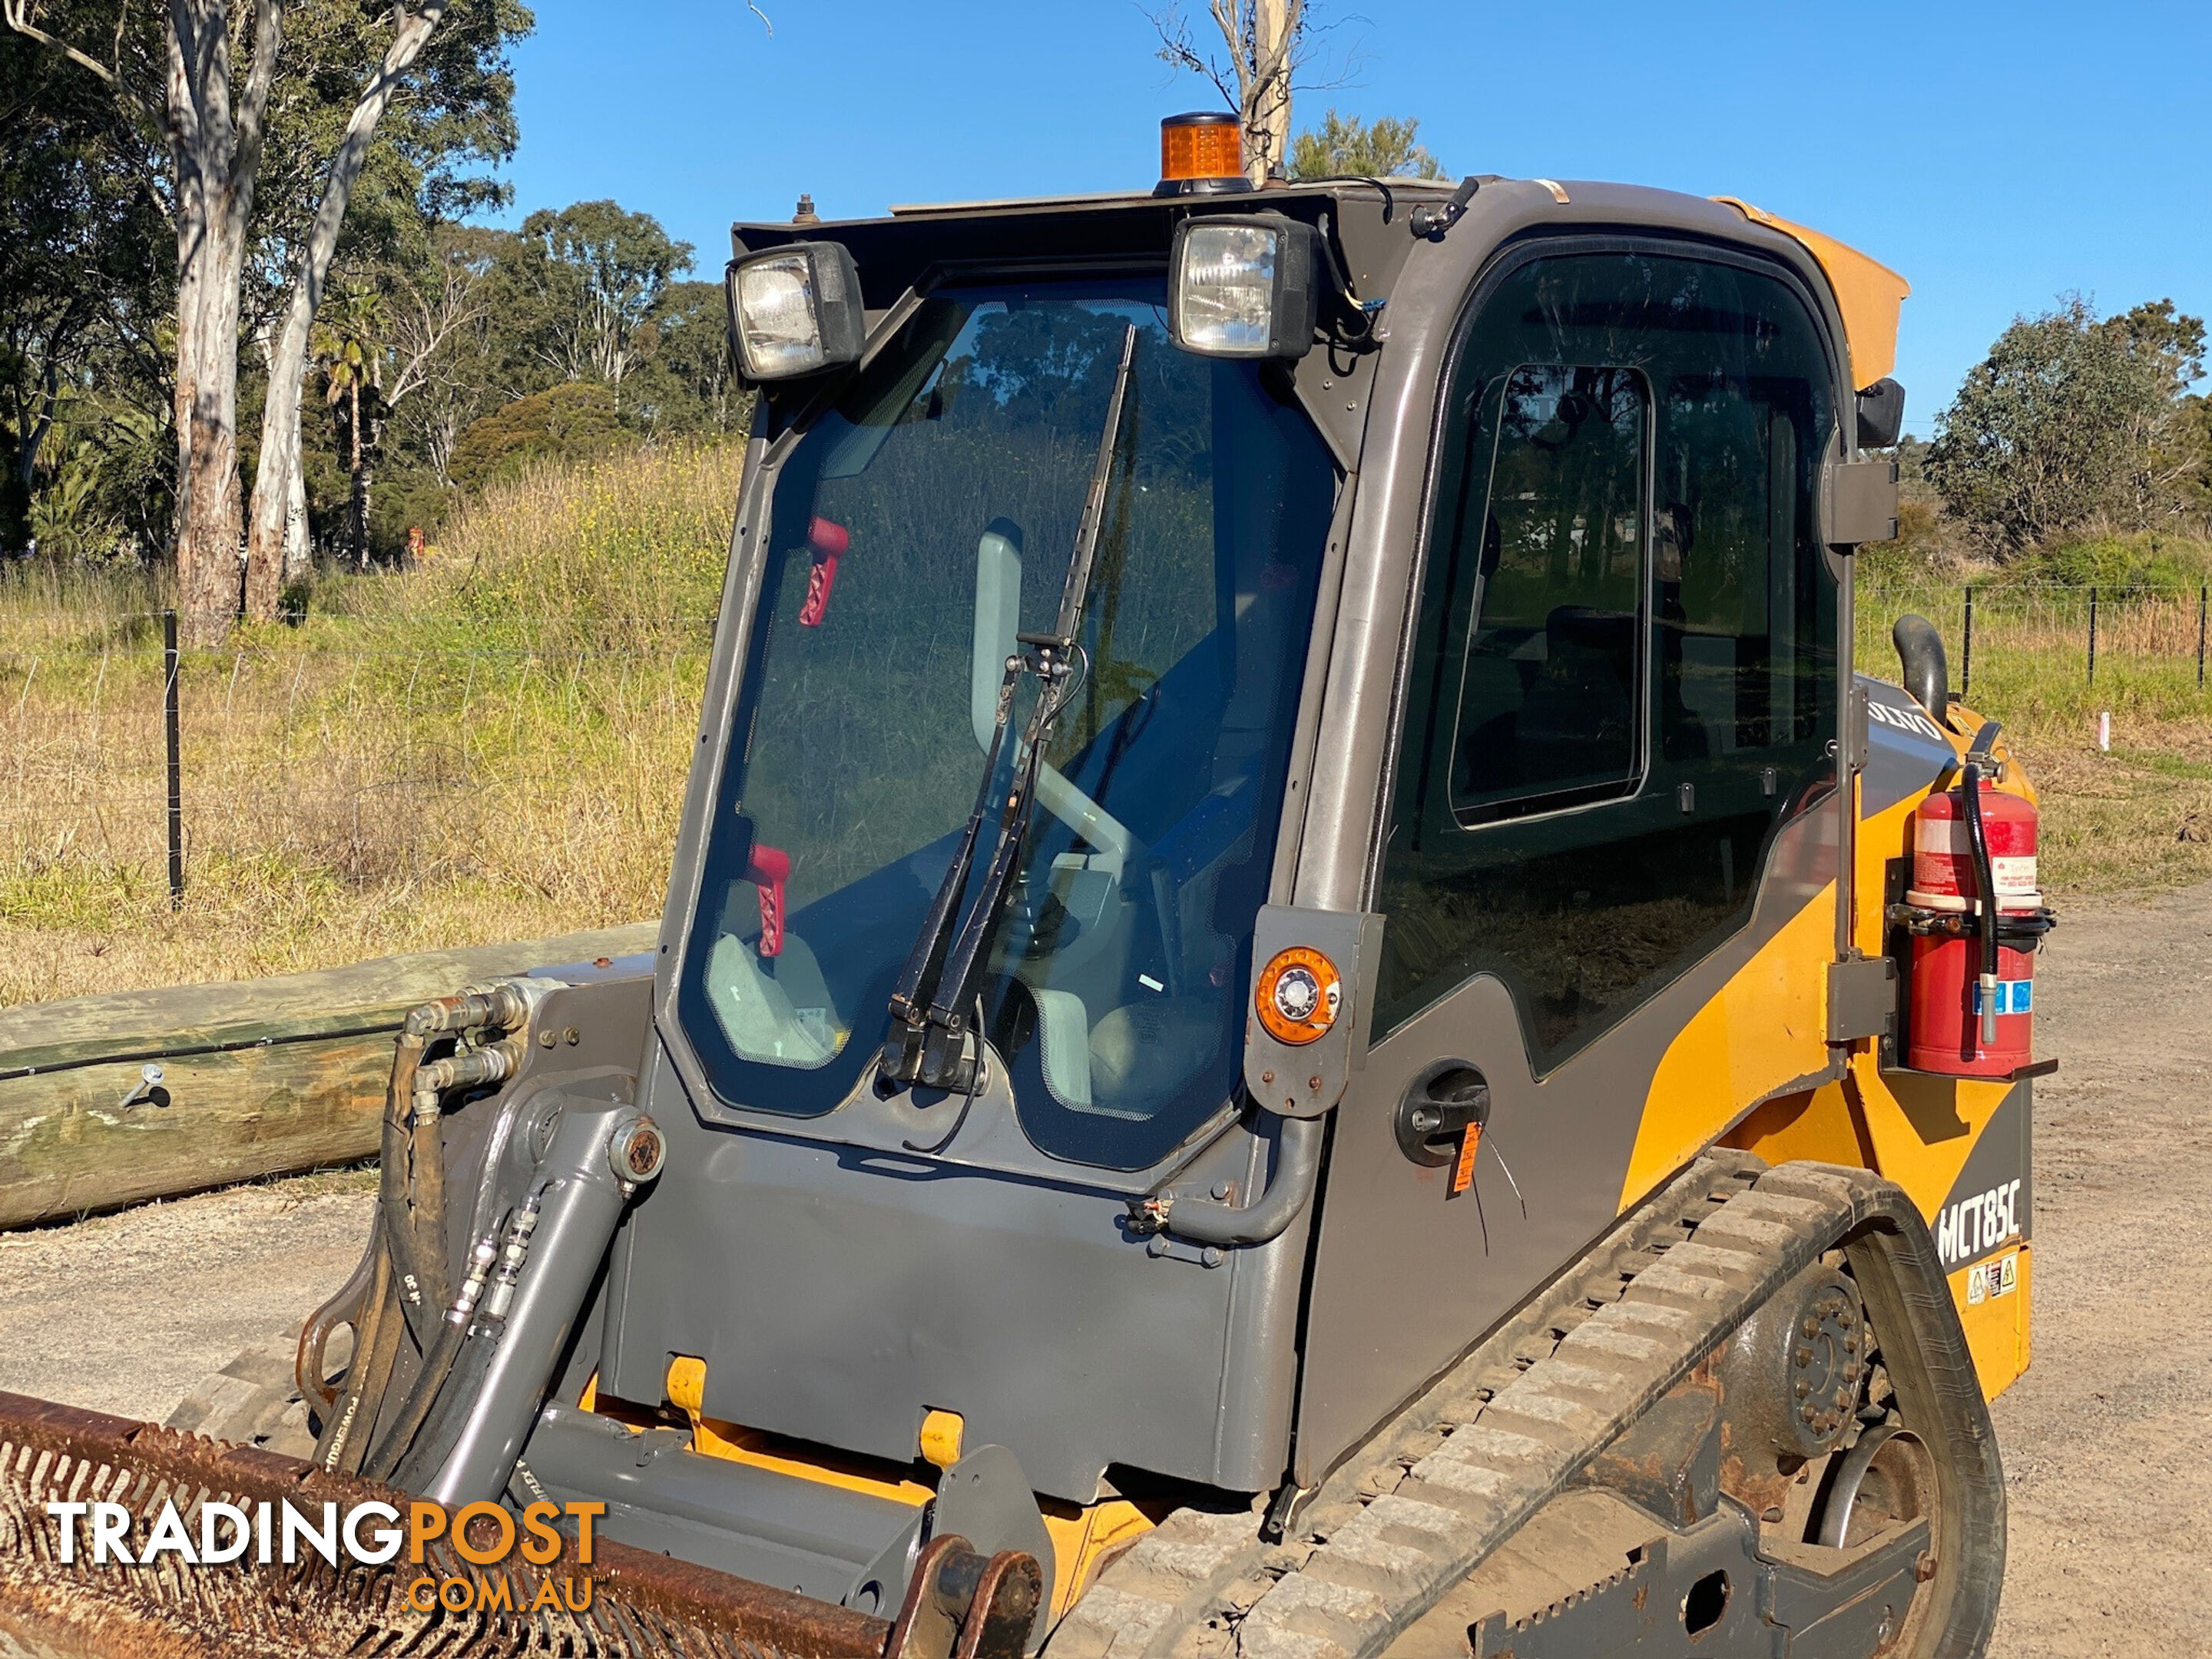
{"x": 259, "y": 1076}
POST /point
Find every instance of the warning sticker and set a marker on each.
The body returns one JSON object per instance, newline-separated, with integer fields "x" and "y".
{"x": 1986, "y": 1280}
{"x": 2013, "y": 996}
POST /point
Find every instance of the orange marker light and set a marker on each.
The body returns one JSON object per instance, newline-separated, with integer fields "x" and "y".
{"x": 1299, "y": 995}
{"x": 1208, "y": 144}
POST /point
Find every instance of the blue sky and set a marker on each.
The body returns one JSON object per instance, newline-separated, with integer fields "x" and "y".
{"x": 1998, "y": 154}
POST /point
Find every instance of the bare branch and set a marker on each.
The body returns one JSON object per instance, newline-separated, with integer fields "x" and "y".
{"x": 432, "y": 319}
{"x": 18, "y": 19}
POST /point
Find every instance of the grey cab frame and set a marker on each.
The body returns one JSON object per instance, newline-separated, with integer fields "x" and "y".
{"x": 1403, "y": 1282}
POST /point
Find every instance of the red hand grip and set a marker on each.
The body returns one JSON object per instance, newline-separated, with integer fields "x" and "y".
{"x": 829, "y": 540}
{"x": 769, "y": 871}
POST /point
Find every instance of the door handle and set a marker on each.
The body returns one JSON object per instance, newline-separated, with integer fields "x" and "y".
{"x": 1438, "y": 1108}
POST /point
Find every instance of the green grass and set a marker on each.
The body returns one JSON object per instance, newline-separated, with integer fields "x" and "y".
{"x": 2139, "y": 815}
{"x": 491, "y": 747}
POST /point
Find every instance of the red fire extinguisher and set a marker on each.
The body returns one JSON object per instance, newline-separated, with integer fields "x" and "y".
{"x": 1976, "y": 917}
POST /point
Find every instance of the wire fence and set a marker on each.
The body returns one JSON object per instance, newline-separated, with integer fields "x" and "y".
{"x": 355, "y": 750}
{"x": 2055, "y": 646}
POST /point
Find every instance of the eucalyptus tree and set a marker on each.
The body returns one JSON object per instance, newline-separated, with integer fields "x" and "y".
{"x": 1346, "y": 147}
{"x": 211, "y": 82}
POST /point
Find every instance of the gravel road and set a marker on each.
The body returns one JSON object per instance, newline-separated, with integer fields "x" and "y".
{"x": 2107, "y": 1440}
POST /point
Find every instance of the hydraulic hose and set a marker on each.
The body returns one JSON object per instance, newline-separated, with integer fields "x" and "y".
{"x": 1297, "y": 1166}
{"x": 1978, "y": 842}
{"x": 438, "y": 1364}
{"x": 407, "y": 1248}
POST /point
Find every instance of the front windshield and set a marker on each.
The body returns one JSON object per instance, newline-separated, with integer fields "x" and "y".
{"x": 916, "y": 529}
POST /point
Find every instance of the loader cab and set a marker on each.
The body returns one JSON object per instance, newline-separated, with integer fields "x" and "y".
{"x": 1496, "y": 622}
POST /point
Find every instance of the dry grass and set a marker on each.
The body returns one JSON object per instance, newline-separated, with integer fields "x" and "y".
{"x": 2138, "y": 815}
{"x": 493, "y": 747}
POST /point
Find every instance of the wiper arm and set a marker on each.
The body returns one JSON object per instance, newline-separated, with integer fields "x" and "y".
{"x": 931, "y": 1040}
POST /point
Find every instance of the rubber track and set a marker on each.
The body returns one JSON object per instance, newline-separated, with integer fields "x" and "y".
{"x": 1184, "y": 1589}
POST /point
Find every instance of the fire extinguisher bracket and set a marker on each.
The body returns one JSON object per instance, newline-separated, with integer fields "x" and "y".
{"x": 2018, "y": 1074}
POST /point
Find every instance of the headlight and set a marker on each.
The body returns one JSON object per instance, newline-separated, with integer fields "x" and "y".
{"x": 1243, "y": 287}
{"x": 795, "y": 311}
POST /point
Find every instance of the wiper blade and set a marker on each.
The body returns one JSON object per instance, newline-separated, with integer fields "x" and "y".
{"x": 931, "y": 1040}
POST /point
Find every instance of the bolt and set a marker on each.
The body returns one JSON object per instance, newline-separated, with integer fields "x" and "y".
{"x": 1211, "y": 1255}
{"x": 572, "y": 1037}
{"x": 547, "y": 1039}
{"x": 1811, "y": 1326}
{"x": 1804, "y": 1354}
{"x": 1923, "y": 1567}
{"x": 1158, "y": 1247}
{"x": 1267, "y": 1077}
{"x": 1843, "y": 1398}
{"x": 1803, "y": 1388}
{"x": 1220, "y": 1190}
{"x": 1314, "y": 1083}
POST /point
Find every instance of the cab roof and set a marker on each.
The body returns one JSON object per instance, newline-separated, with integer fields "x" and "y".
{"x": 1869, "y": 294}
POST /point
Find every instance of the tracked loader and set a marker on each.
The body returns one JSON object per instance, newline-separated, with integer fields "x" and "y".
{"x": 1306, "y": 1009}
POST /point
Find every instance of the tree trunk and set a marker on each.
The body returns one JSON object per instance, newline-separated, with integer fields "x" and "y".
{"x": 216, "y": 157}
{"x": 1264, "y": 80}
{"x": 298, "y": 554}
{"x": 206, "y": 414}
{"x": 280, "y": 421}
{"x": 356, "y": 519}
{"x": 214, "y": 154}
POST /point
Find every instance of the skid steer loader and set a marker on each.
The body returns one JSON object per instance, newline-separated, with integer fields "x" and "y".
{"x": 1283, "y": 1020}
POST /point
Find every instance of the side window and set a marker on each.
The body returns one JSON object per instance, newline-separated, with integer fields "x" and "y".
{"x": 1551, "y": 688}
{"x": 1735, "y": 671}
{"x": 1623, "y": 674}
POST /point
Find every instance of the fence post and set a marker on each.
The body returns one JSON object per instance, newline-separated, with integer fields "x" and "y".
{"x": 2092, "y": 636}
{"x": 2201, "y": 594}
{"x": 175, "y": 759}
{"x": 1966, "y": 651}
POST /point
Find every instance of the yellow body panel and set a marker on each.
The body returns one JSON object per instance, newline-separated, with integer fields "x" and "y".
{"x": 1764, "y": 1029}
{"x": 943, "y": 1434}
{"x": 1725, "y": 1078}
{"x": 1996, "y": 1323}
{"x": 1082, "y": 1540}
{"x": 1818, "y": 1125}
{"x": 1869, "y": 293}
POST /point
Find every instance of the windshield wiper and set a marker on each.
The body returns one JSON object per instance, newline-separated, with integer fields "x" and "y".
{"x": 933, "y": 1040}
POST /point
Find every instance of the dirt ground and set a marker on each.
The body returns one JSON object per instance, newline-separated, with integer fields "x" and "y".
{"x": 2107, "y": 1441}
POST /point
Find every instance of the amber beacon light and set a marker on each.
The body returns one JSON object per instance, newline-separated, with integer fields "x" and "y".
{"x": 1201, "y": 155}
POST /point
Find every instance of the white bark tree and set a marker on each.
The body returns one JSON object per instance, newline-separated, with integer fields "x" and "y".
{"x": 288, "y": 363}
{"x": 1265, "y": 41}
{"x": 214, "y": 136}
